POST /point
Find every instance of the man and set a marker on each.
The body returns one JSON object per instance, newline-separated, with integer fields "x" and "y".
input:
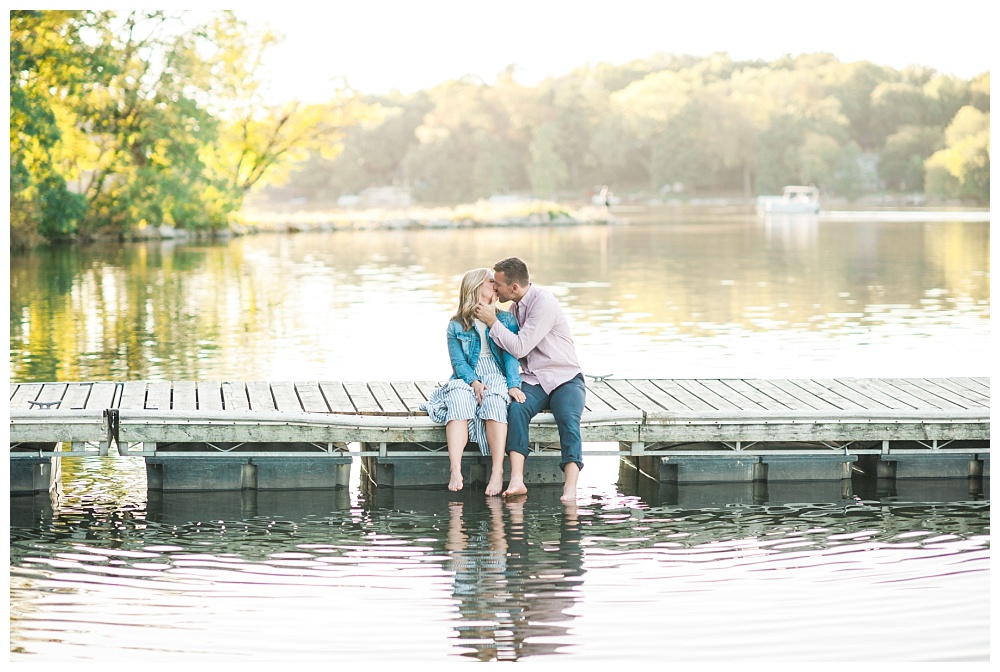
{"x": 550, "y": 372}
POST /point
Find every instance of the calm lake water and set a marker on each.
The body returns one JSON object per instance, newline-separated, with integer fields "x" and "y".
{"x": 104, "y": 571}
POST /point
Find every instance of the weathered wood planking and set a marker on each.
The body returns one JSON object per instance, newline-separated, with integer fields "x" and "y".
{"x": 961, "y": 394}
{"x": 337, "y": 398}
{"x": 311, "y": 397}
{"x": 259, "y": 392}
{"x": 410, "y": 395}
{"x": 650, "y": 410}
{"x": 209, "y": 395}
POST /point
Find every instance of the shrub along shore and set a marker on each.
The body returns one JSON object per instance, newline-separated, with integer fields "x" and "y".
{"x": 289, "y": 219}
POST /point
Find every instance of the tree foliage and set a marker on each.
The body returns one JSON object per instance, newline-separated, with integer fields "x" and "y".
{"x": 122, "y": 120}
{"x": 119, "y": 120}
{"x": 708, "y": 124}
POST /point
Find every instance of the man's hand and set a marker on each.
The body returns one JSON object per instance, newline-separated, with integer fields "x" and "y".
{"x": 486, "y": 313}
{"x": 479, "y": 389}
{"x": 516, "y": 394}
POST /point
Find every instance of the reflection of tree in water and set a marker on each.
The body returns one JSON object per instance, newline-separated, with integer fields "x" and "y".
{"x": 513, "y": 592}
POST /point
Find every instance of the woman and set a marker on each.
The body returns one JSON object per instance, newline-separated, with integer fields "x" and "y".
{"x": 484, "y": 379}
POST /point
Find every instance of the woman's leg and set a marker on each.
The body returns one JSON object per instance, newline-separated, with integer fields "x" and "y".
{"x": 496, "y": 436}
{"x": 457, "y": 434}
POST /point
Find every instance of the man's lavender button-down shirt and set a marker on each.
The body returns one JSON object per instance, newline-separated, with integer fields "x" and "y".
{"x": 543, "y": 343}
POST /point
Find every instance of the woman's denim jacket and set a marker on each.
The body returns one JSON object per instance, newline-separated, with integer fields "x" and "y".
{"x": 464, "y": 347}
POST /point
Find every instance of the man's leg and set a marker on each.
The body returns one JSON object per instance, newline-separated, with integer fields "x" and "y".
{"x": 567, "y": 402}
{"x": 518, "y": 417}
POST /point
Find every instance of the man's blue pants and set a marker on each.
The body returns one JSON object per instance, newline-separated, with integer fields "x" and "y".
{"x": 566, "y": 403}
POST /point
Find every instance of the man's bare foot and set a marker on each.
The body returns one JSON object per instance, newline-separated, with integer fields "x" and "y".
{"x": 456, "y": 482}
{"x": 571, "y": 472}
{"x": 495, "y": 485}
{"x": 515, "y": 489}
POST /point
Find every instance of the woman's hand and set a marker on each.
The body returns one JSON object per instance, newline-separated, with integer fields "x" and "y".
{"x": 516, "y": 394}
{"x": 479, "y": 389}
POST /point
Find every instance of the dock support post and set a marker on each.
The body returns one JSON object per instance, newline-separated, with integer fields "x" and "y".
{"x": 32, "y": 474}
{"x": 700, "y": 468}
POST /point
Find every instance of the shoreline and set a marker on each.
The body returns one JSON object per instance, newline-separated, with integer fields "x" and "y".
{"x": 290, "y": 218}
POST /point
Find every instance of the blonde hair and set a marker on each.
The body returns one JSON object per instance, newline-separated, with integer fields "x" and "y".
{"x": 468, "y": 295}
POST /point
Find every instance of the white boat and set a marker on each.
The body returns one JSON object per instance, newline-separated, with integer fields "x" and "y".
{"x": 793, "y": 200}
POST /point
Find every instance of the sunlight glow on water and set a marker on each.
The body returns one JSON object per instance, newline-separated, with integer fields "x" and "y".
{"x": 723, "y": 299}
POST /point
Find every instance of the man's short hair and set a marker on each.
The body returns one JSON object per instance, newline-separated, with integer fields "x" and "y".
{"x": 514, "y": 270}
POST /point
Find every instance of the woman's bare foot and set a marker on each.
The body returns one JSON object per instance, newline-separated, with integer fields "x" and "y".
{"x": 495, "y": 485}
{"x": 515, "y": 488}
{"x": 568, "y": 495}
{"x": 456, "y": 482}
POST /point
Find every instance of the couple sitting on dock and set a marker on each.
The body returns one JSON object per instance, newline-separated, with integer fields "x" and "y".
{"x": 507, "y": 366}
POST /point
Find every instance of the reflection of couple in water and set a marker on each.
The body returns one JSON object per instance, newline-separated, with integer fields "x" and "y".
{"x": 507, "y": 366}
{"x": 512, "y": 592}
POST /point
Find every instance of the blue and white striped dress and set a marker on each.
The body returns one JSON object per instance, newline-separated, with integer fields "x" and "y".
{"x": 460, "y": 399}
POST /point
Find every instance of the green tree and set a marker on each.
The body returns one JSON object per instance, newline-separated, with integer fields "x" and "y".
{"x": 902, "y": 159}
{"x": 50, "y": 67}
{"x": 547, "y": 170}
{"x": 962, "y": 168}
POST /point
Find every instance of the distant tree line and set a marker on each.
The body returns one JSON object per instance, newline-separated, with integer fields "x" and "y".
{"x": 705, "y": 124}
{"x": 121, "y": 120}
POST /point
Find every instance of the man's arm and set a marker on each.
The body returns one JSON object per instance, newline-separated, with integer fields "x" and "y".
{"x": 536, "y": 326}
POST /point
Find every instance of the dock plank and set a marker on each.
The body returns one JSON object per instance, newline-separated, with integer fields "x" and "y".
{"x": 209, "y": 395}
{"x": 781, "y": 396}
{"x": 158, "y": 395}
{"x": 751, "y": 393}
{"x": 673, "y": 388}
{"x": 626, "y": 389}
{"x": 133, "y": 395}
{"x": 919, "y": 392}
{"x": 387, "y": 399}
{"x": 739, "y": 395}
{"x": 866, "y": 391}
{"x": 285, "y": 397}
{"x": 52, "y": 392}
{"x": 594, "y": 403}
{"x": 102, "y": 396}
{"x": 609, "y": 396}
{"x": 661, "y": 400}
{"x": 336, "y": 397}
{"x": 410, "y": 395}
{"x": 362, "y": 398}
{"x": 973, "y": 384}
{"x": 234, "y": 396}
{"x": 259, "y": 392}
{"x": 311, "y": 397}
{"x": 698, "y": 389}
{"x": 427, "y": 387}
{"x": 76, "y": 396}
{"x": 185, "y": 396}
{"x": 840, "y": 396}
{"x": 836, "y": 399}
{"x": 961, "y": 395}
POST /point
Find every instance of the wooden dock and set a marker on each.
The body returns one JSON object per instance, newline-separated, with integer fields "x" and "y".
{"x": 755, "y": 420}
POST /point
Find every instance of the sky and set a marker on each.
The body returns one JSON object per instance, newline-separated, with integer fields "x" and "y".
{"x": 380, "y": 45}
